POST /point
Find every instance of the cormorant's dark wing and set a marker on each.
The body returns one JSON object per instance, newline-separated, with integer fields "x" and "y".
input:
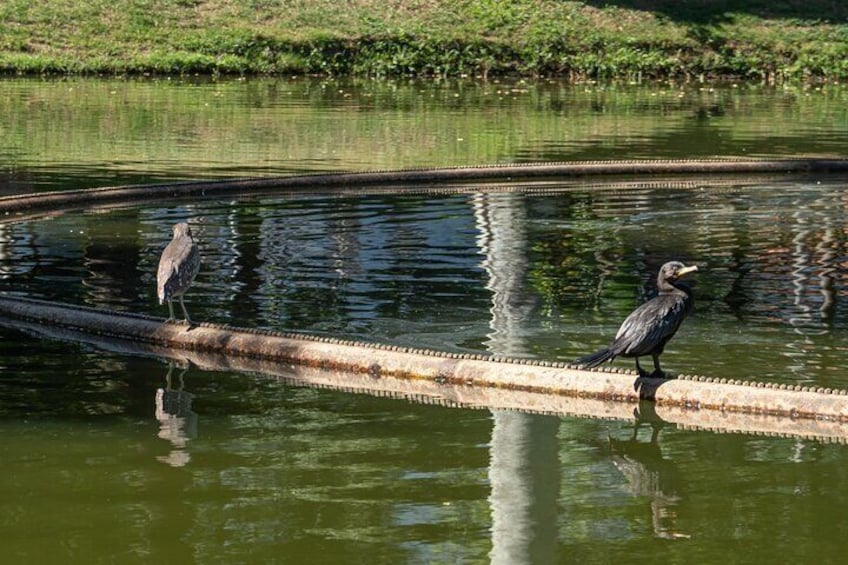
{"x": 650, "y": 326}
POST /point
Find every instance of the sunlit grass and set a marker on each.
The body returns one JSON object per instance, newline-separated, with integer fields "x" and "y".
{"x": 591, "y": 39}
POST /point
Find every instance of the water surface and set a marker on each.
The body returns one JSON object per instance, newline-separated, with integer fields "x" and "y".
{"x": 212, "y": 466}
{"x": 78, "y": 132}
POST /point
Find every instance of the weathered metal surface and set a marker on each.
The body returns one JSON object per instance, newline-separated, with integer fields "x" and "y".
{"x": 432, "y": 391}
{"x": 697, "y": 394}
{"x": 826, "y": 430}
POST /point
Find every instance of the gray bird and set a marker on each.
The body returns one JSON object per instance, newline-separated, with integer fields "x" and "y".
{"x": 178, "y": 266}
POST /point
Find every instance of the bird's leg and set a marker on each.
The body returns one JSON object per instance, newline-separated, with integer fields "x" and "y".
{"x": 635, "y": 430}
{"x": 640, "y": 370}
{"x": 655, "y": 433}
{"x": 185, "y": 312}
{"x": 182, "y": 381}
{"x": 658, "y": 373}
{"x": 170, "y": 311}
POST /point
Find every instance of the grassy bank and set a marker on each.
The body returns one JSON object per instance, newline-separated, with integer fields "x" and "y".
{"x": 604, "y": 39}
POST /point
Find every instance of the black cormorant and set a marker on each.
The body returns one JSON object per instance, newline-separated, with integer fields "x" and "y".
{"x": 648, "y": 328}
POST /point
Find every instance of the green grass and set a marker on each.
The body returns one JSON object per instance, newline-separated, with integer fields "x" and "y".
{"x": 626, "y": 39}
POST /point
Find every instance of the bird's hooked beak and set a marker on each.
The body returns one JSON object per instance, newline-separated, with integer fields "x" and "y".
{"x": 686, "y": 270}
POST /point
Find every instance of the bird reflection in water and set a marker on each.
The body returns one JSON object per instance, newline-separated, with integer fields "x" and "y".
{"x": 649, "y": 474}
{"x": 177, "y": 421}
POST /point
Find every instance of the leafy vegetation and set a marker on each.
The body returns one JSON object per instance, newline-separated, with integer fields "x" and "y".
{"x": 769, "y": 40}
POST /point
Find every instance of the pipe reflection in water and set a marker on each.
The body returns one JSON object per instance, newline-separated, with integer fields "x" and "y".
{"x": 5, "y": 251}
{"x": 813, "y": 262}
{"x": 524, "y": 464}
{"x": 793, "y": 240}
{"x": 524, "y": 477}
{"x": 177, "y": 421}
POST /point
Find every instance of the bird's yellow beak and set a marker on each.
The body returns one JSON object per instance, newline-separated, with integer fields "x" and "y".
{"x": 687, "y": 270}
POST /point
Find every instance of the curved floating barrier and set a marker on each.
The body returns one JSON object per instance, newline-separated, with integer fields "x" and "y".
{"x": 375, "y": 362}
{"x": 394, "y": 181}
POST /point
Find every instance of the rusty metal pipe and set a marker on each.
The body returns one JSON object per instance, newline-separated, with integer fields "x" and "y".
{"x": 378, "y": 361}
{"x": 428, "y": 391}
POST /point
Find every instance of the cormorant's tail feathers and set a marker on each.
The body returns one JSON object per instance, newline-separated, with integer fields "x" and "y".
{"x": 595, "y": 358}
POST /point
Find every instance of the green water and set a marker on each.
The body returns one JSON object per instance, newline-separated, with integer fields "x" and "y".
{"x": 108, "y": 457}
{"x": 93, "y": 133}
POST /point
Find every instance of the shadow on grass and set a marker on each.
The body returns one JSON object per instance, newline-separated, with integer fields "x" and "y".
{"x": 717, "y": 11}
